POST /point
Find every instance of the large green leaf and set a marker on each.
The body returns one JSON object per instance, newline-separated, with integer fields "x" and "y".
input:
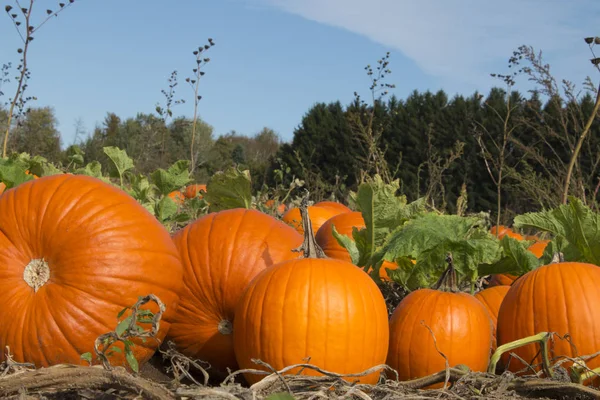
{"x": 229, "y": 189}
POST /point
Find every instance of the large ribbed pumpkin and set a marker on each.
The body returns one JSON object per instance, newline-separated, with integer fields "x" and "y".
{"x": 461, "y": 326}
{"x": 492, "y": 298}
{"x": 343, "y": 225}
{"x": 74, "y": 251}
{"x": 221, "y": 253}
{"x": 315, "y": 307}
{"x": 559, "y": 297}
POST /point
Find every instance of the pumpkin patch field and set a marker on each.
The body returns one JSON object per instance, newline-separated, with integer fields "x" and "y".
{"x": 118, "y": 285}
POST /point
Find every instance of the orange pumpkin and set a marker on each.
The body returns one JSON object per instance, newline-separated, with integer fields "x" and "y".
{"x": 177, "y": 197}
{"x": 221, "y": 253}
{"x": 271, "y": 204}
{"x": 505, "y": 231}
{"x": 492, "y": 298}
{"x": 318, "y": 216}
{"x": 559, "y": 297}
{"x": 343, "y": 224}
{"x": 333, "y": 206}
{"x": 74, "y": 251}
{"x": 459, "y": 322}
{"x": 191, "y": 191}
{"x": 315, "y": 307}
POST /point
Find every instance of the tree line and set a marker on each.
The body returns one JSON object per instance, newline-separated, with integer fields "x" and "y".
{"x": 435, "y": 145}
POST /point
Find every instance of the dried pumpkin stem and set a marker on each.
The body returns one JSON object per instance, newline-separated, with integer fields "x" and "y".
{"x": 309, "y": 247}
{"x": 448, "y": 281}
{"x": 541, "y": 338}
{"x": 557, "y": 258}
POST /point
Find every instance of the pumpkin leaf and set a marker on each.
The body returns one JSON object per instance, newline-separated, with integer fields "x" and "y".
{"x": 384, "y": 212}
{"x": 91, "y": 169}
{"x": 516, "y": 259}
{"x": 576, "y": 229}
{"x": 165, "y": 208}
{"x": 429, "y": 238}
{"x": 229, "y": 189}
{"x": 348, "y": 243}
{"x": 40, "y": 166}
{"x": 122, "y": 326}
{"x": 174, "y": 178}
{"x": 12, "y": 174}
{"x": 121, "y": 162}
{"x": 133, "y": 362}
{"x": 87, "y": 357}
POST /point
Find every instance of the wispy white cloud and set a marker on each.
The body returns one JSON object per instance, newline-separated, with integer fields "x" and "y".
{"x": 461, "y": 42}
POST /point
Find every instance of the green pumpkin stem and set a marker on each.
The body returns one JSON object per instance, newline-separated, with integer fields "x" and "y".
{"x": 448, "y": 282}
{"x": 309, "y": 247}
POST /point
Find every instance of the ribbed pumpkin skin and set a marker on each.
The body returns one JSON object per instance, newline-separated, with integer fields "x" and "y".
{"x": 318, "y": 216}
{"x": 333, "y": 206}
{"x": 562, "y": 298}
{"x": 103, "y": 250}
{"x": 325, "y": 309}
{"x": 343, "y": 224}
{"x": 492, "y": 298}
{"x": 461, "y": 326}
{"x": 221, "y": 253}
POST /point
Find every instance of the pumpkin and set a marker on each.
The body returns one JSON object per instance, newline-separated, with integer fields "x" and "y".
{"x": 492, "y": 298}
{"x": 221, "y": 253}
{"x": 271, "y": 204}
{"x": 333, "y": 206}
{"x": 318, "y": 216}
{"x": 315, "y": 307}
{"x": 177, "y": 197}
{"x": 192, "y": 191}
{"x": 75, "y": 251}
{"x": 343, "y": 225}
{"x": 559, "y": 297}
{"x": 459, "y": 322}
{"x": 502, "y": 230}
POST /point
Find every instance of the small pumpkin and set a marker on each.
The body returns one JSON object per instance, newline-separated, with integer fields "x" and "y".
{"x": 74, "y": 251}
{"x": 221, "y": 253}
{"x": 191, "y": 191}
{"x": 536, "y": 248}
{"x": 460, "y": 323}
{"x": 281, "y": 208}
{"x": 343, "y": 225}
{"x": 177, "y": 197}
{"x": 492, "y": 298}
{"x": 502, "y": 230}
{"x": 318, "y": 216}
{"x": 315, "y": 307}
{"x": 560, "y": 297}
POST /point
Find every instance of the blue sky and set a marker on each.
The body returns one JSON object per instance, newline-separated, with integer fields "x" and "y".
{"x": 274, "y": 59}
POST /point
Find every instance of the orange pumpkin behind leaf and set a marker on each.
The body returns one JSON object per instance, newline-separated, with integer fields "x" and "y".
{"x": 318, "y": 216}
{"x": 343, "y": 225}
{"x": 192, "y": 191}
{"x": 177, "y": 197}
{"x": 334, "y": 206}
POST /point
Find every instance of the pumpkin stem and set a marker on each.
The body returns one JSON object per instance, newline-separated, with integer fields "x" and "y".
{"x": 36, "y": 274}
{"x": 448, "y": 281}
{"x": 557, "y": 258}
{"x": 309, "y": 247}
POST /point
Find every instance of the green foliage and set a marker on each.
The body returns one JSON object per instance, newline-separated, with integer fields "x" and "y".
{"x": 229, "y": 189}
{"x": 575, "y": 228}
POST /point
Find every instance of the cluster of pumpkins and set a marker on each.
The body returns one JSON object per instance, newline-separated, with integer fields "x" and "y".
{"x": 240, "y": 285}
